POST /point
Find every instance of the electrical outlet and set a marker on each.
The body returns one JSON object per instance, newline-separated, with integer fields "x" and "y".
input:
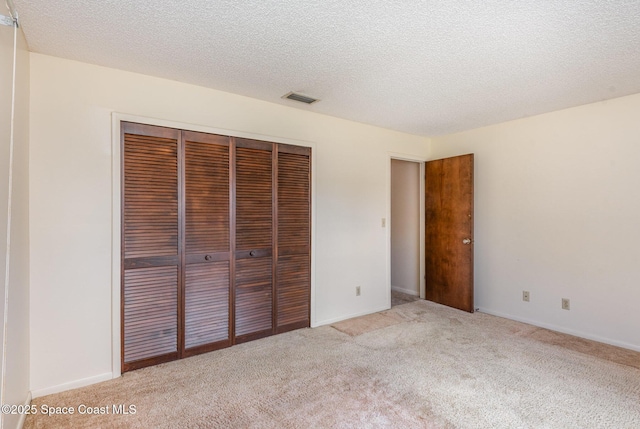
{"x": 357, "y": 290}
{"x": 525, "y": 295}
{"x": 566, "y": 304}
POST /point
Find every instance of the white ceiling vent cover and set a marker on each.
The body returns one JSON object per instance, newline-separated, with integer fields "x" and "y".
{"x": 299, "y": 97}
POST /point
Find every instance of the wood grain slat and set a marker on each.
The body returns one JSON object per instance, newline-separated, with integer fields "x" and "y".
{"x": 150, "y": 203}
{"x": 150, "y": 262}
{"x": 293, "y": 269}
{"x": 150, "y": 247}
{"x": 293, "y": 289}
{"x": 206, "y": 303}
{"x": 207, "y": 194}
{"x": 300, "y": 150}
{"x": 254, "y": 232}
{"x": 150, "y": 313}
{"x": 253, "y": 298}
{"x": 294, "y": 218}
{"x": 253, "y": 144}
{"x": 254, "y": 218}
{"x": 207, "y": 242}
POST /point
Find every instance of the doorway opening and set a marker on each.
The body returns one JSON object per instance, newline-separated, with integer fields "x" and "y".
{"x": 406, "y": 231}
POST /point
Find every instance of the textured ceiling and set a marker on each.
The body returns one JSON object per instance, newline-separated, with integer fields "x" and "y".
{"x": 424, "y": 67}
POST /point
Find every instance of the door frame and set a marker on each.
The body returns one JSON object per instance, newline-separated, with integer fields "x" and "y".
{"x": 421, "y": 161}
{"x": 116, "y": 221}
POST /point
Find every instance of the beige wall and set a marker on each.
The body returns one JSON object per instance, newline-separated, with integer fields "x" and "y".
{"x": 71, "y": 206}
{"x": 405, "y": 226}
{"x": 16, "y": 381}
{"x": 556, "y": 209}
{"x": 557, "y": 199}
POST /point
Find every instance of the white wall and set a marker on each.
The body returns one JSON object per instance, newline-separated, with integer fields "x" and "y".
{"x": 557, "y": 204}
{"x": 405, "y": 226}
{"x": 16, "y": 383}
{"x": 71, "y": 106}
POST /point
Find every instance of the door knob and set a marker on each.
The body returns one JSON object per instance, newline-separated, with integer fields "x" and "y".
{"x": 252, "y": 253}
{"x": 207, "y": 258}
{"x": 466, "y": 241}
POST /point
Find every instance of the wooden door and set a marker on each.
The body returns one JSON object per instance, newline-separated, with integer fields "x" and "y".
{"x": 449, "y": 232}
{"x": 151, "y": 249}
{"x": 293, "y": 264}
{"x": 215, "y": 242}
{"x": 207, "y": 260}
{"x": 254, "y": 226}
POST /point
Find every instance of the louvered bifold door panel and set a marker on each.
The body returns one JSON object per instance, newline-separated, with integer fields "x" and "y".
{"x": 150, "y": 312}
{"x": 293, "y": 237}
{"x": 207, "y": 242}
{"x": 207, "y": 305}
{"x": 254, "y": 240}
{"x": 150, "y": 241}
{"x": 254, "y": 308}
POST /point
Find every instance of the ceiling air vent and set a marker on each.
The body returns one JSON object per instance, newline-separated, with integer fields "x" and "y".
{"x": 299, "y": 97}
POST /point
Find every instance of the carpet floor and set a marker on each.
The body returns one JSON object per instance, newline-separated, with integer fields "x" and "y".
{"x": 422, "y": 366}
{"x": 399, "y": 298}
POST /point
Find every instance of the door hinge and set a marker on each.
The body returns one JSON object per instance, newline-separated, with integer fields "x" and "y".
{"x": 8, "y": 21}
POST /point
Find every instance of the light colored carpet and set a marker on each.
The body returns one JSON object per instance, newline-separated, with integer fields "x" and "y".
{"x": 604, "y": 351}
{"x": 399, "y": 298}
{"x": 438, "y": 368}
{"x": 368, "y": 323}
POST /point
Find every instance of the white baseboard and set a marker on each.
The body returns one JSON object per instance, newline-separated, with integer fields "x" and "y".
{"x": 72, "y": 385}
{"x": 407, "y": 291}
{"x": 23, "y": 417}
{"x": 351, "y": 316}
{"x": 562, "y": 329}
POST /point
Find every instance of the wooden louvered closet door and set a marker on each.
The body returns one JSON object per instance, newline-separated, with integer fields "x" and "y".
{"x": 293, "y": 266}
{"x": 150, "y": 245}
{"x": 207, "y": 243}
{"x": 215, "y": 242}
{"x": 253, "y": 239}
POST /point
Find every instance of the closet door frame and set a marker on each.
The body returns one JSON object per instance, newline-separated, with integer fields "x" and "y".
{"x": 116, "y": 220}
